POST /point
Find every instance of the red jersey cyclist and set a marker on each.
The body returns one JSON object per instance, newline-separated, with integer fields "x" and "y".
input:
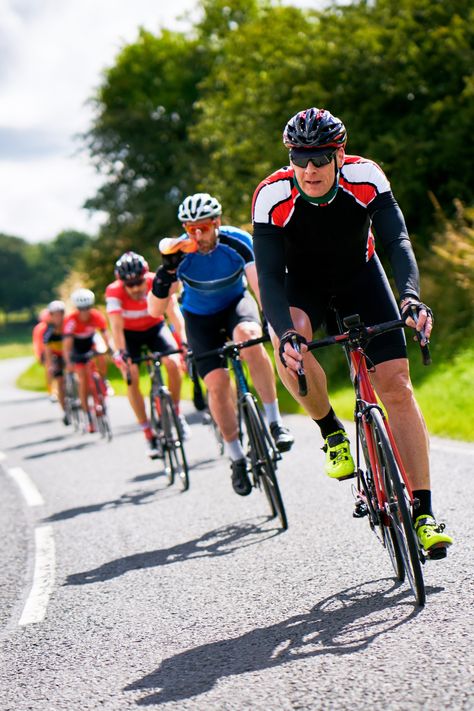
{"x": 80, "y": 329}
{"x": 134, "y": 328}
{"x": 53, "y": 349}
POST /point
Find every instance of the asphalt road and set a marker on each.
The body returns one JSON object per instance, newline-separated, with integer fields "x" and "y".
{"x": 118, "y": 592}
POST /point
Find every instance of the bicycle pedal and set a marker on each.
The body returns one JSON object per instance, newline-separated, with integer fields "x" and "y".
{"x": 437, "y": 553}
{"x": 361, "y": 509}
{"x": 348, "y": 476}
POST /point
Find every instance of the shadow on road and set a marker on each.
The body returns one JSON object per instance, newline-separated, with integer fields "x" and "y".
{"x": 135, "y": 498}
{"x": 46, "y": 440}
{"x": 34, "y": 423}
{"x": 341, "y": 624}
{"x": 219, "y": 542}
{"x": 61, "y": 450}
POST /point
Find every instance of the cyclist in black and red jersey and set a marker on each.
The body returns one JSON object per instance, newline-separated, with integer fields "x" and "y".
{"x": 314, "y": 225}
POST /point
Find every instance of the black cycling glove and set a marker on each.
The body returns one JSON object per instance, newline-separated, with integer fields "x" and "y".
{"x": 413, "y": 307}
{"x": 289, "y": 337}
{"x": 162, "y": 282}
{"x": 172, "y": 261}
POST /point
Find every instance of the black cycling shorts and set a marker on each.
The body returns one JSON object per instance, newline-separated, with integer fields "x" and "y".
{"x": 82, "y": 349}
{"x": 204, "y": 333}
{"x": 158, "y": 338}
{"x": 368, "y": 294}
{"x": 57, "y": 364}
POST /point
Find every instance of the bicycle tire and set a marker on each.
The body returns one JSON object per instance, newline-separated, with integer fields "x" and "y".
{"x": 100, "y": 408}
{"x": 261, "y": 459}
{"x": 175, "y": 462}
{"x": 71, "y": 402}
{"x": 388, "y": 536}
{"x": 399, "y": 513}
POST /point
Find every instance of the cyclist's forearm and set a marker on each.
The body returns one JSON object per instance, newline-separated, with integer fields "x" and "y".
{"x": 391, "y": 230}
{"x": 157, "y": 307}
{"x": 270, "y": 263}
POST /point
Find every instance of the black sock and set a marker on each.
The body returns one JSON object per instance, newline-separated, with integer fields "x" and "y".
{"x": 329, "y": 424}
{"x": 424, "y": 497}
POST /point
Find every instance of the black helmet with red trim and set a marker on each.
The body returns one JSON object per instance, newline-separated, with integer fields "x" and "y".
{"x": 130, "y": 266}
{"x": 314, "y": 128}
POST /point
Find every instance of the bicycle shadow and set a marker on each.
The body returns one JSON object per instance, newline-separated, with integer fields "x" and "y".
{"x": 219, "y": 542}
{"x": 341, "y": 624}
{"x": 133, "y": 498}
{"x": 27, "y": 425}
{"x": 46, "y": 440}
{"x": 61, "y": 450}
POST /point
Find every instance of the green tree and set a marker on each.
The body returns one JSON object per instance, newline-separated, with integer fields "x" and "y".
{"x": 139, "y": 139}
{"x": 15, "y": 285}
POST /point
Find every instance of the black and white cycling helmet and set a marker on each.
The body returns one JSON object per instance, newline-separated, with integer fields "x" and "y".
{"x": 200, "y": 206}
{"x": 83, "y": 298}
{"x": 314, "y": 128}
{"x": 131, "y": 266}
{"x": 55, "y": 306}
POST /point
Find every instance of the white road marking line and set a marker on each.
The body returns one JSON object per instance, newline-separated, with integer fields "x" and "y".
{"x": 43, "y": 577}
{"x": 455, "y": 450}
{"x": 2, "y": 456}
{"x": 28, "y": 489}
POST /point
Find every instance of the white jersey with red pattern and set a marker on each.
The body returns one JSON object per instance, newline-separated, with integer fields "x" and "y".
{"x": 74, "y": 326}
{"x": 135, "y": 313}
{"x": 277, "y": 199}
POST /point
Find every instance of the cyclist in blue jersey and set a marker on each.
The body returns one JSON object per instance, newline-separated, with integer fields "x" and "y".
{"x": 315, "y": 223}
{"x": 213, "y": 263}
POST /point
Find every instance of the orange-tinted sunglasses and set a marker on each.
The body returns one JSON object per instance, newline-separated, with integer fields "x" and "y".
{"x": 202, "y": 227}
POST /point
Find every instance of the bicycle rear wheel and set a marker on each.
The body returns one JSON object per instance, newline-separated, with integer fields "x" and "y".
{"x": 261, "y": 458}
{"x": 399, "y": 510}
{"x": 175, "y": 462}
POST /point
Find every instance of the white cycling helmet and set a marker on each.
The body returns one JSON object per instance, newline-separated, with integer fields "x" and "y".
{"x": 83, "y": 298}
{"x": 55, "y": 306}
{"x": 200, "y": 206}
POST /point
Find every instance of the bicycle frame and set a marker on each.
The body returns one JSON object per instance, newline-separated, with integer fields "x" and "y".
{"x": 366, "y": 400}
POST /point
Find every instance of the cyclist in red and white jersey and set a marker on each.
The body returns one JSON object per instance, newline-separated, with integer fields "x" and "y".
{"x": 134, "y": 328}
{"x": 80, "y": 329}
{"x": 314, "y": 225}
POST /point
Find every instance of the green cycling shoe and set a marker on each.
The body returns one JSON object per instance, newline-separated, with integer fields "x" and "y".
{"x": 339, "y": 463}
{"x": 431, "y": 536}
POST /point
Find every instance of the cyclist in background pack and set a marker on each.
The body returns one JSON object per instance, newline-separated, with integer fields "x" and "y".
{"x": 214, "y": 262}
{"x": 79, "y": 330}
{"x": 314, "y": 246}
{"x": 39, "y": 349}
{"x": 53, "y": 350}
{"x": 134, "y": 328}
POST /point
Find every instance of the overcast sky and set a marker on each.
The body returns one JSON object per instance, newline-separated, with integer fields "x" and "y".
{"x": 52, "y": 53}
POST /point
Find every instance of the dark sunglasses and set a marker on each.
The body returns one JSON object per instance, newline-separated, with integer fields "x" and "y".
{"x": 134, "y": 282}
{"x": 317, "y": 159}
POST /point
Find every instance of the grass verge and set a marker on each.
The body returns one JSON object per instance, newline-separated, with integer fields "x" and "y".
{"x": 445, "y": 392}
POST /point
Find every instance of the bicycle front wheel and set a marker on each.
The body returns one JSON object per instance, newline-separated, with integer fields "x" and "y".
{"x": 100, "y": 406}
{"x": 378, "y": 519}
{"x": 399, "y": 510}
{"x": 176, "y": 465}
{"x": 261, "y": 458}
{"x": 72, "y": 405}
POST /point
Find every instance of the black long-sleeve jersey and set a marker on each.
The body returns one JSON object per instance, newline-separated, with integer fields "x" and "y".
{"x": 325, "y": 245}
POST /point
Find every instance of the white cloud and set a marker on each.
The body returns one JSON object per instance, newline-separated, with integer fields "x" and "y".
{"x": 52, "y": 54}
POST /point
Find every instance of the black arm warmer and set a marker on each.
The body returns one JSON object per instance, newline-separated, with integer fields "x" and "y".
{"x": 389, "y": 225}
{"x": 269, "y": 248}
